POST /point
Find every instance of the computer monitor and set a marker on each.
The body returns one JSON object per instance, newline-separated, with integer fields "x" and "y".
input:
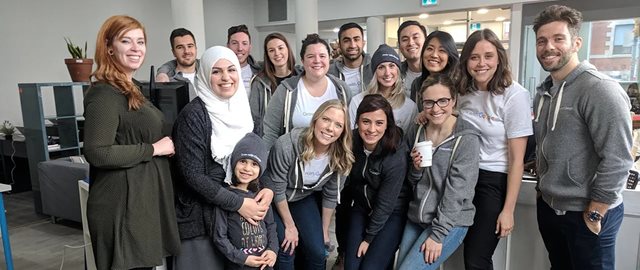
{"x": 168, "y": 97}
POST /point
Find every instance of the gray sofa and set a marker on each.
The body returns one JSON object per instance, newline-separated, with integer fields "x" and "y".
{"x": 59, "y": 187}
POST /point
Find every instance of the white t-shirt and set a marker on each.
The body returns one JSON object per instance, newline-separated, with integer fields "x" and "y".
{"x": 192, "y": 78}
{"x": 408, "y": 80}
{"x": 247, "y": 74}
{"x": 498, "y": 118}
{"x": 306, "y": 104}
{"x": 404, "y": 115}
{"x": 352, "y": 78}
{"x": 313, "y": 170}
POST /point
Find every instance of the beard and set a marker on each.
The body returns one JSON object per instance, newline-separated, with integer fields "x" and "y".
{"x": 186, "y": 63}
{"x": 352, "y": 57}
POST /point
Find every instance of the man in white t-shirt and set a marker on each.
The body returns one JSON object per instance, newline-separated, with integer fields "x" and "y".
{"x": 411, "y": 36}
{"x": 353, "y": 67}
{"x": 239, "y": 41}
{"x": 183, "y": 68}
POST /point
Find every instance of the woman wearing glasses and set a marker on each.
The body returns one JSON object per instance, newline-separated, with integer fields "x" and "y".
{"x": 500, "y": 109}
{"x": 441, "y": 211}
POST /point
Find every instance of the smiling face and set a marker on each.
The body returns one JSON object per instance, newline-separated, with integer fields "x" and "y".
{"x": 184, "y": 49}
{"x": 328, "y": 128}
{"x": 436, "y": 94}
{"x": 411, "y": 41}
{"x": 351, "y": 44}
{"x": 483, "y": 63}
{"x": 246, "y": 170}
{"x": 435, "y": 57}
{"x": 555, "y": 48}
{"x": 129, "y": 50}
{"x": 278, "y": 52}
{"x": 240, "y": 44}
{"x": 371, "y": 128}
{"x": 387, "y": 74}
{"x": 224, "y": 79}
{"x": 316, "y": 60}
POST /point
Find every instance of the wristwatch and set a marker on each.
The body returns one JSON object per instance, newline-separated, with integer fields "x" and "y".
{"x": 593, "y": 215}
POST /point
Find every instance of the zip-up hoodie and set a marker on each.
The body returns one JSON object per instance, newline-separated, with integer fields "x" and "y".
{"x": 583, "y": 131}
{"x": 443, "y": 193}
{"x": 278, "y": 117}
{"x": 260, "y": 96}
{"x": 285, "y": 170}
{"x": 377, "y": 183}
{"x": 365, "y": 71}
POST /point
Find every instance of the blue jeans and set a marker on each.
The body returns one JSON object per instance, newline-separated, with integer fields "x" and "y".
{"x": 382, "y": 249}
{"x": 570, "y": 243}
{"x": 410, "y": 256}
{"x": 308, "y": 220}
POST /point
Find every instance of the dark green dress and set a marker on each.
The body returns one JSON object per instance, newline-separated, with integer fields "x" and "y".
{"x": 130, "y": 211}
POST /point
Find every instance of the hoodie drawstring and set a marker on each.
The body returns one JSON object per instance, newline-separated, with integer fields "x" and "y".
{"x": 557, "y": 109}
{"x": 539, "y": 109}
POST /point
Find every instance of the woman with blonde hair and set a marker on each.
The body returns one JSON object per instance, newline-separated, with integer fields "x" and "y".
{"x": 388, "y": 83}
{"x": 130, "y": 178}
{"x": 305, "y": 165}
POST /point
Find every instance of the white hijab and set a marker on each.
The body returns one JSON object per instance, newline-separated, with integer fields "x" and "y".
{"x": 230, "y": 118}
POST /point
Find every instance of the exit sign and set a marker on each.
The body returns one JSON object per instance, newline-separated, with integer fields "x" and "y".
{"x": 475, "y": 26}
{"x": 429, "y": 2}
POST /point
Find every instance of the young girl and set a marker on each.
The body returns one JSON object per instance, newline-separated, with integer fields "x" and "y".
{"x": 442, "y": 209}
{"x": 246, "y": 246}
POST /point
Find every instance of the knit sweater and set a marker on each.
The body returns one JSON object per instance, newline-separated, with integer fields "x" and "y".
{"x": 198, "y": 178}
{"x": 130, "y": 188}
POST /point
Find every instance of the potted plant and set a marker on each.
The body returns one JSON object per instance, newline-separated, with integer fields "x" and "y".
{"x": 79, "y": 65}
{"x": 7, "y": 129}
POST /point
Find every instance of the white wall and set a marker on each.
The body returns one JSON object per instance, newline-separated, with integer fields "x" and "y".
{"x": 33, "y": 48}
{"x": 219, "y": 15}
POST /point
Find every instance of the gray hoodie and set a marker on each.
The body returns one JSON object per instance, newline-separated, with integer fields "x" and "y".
{"x": 286, "y": 168}
{"x": 260, "y": 96}
{"x": 366, "y": 74}
{"x": 583, "y": 132}
{"x": 277, "y": 119}
{"x": 443, "y": 193}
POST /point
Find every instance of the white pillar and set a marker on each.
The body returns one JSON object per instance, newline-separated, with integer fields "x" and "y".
{"x": 515, "y": 36}
{"x": 375, "y": 33}
{"x": 189, "y": 14}
{"x": 306, "y": 20}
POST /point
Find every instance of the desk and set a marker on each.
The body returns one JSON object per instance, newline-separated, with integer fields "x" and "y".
{"x": 16, "y": 169}
{"x": 3, "y": 228}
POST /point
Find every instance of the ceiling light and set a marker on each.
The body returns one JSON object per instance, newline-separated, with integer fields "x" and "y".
{"x": 447, "y": 22}
{"x": 423, "y": 16}
{"x": 336, "y": 30}
{"x": 483, "y": 11}
{"x": 500, "y": 18}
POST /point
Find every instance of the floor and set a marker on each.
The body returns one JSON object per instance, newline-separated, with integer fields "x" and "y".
{"x": 38, "y": 244}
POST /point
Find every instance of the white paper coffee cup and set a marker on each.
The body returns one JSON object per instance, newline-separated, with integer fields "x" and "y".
{"x": 425, "y": 149}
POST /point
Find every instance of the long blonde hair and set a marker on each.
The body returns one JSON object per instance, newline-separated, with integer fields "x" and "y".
{"x": 340, "y": 155}
{"x": 108, "y": 70}
{"x": 396, "y": 97}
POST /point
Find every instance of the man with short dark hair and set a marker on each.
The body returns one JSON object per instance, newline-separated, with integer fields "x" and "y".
{"x": 411, "y": 37}
{"x": 583, "y": 131}
{"x": 184, "y": 67}
{"x": 353, "y": 66}
{"x": 239, "y": 41}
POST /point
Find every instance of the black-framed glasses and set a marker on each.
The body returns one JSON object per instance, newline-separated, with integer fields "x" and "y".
{"x": 442, "y": 102}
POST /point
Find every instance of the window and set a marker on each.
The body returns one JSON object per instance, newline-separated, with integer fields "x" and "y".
{"x": 623, "y": 39}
